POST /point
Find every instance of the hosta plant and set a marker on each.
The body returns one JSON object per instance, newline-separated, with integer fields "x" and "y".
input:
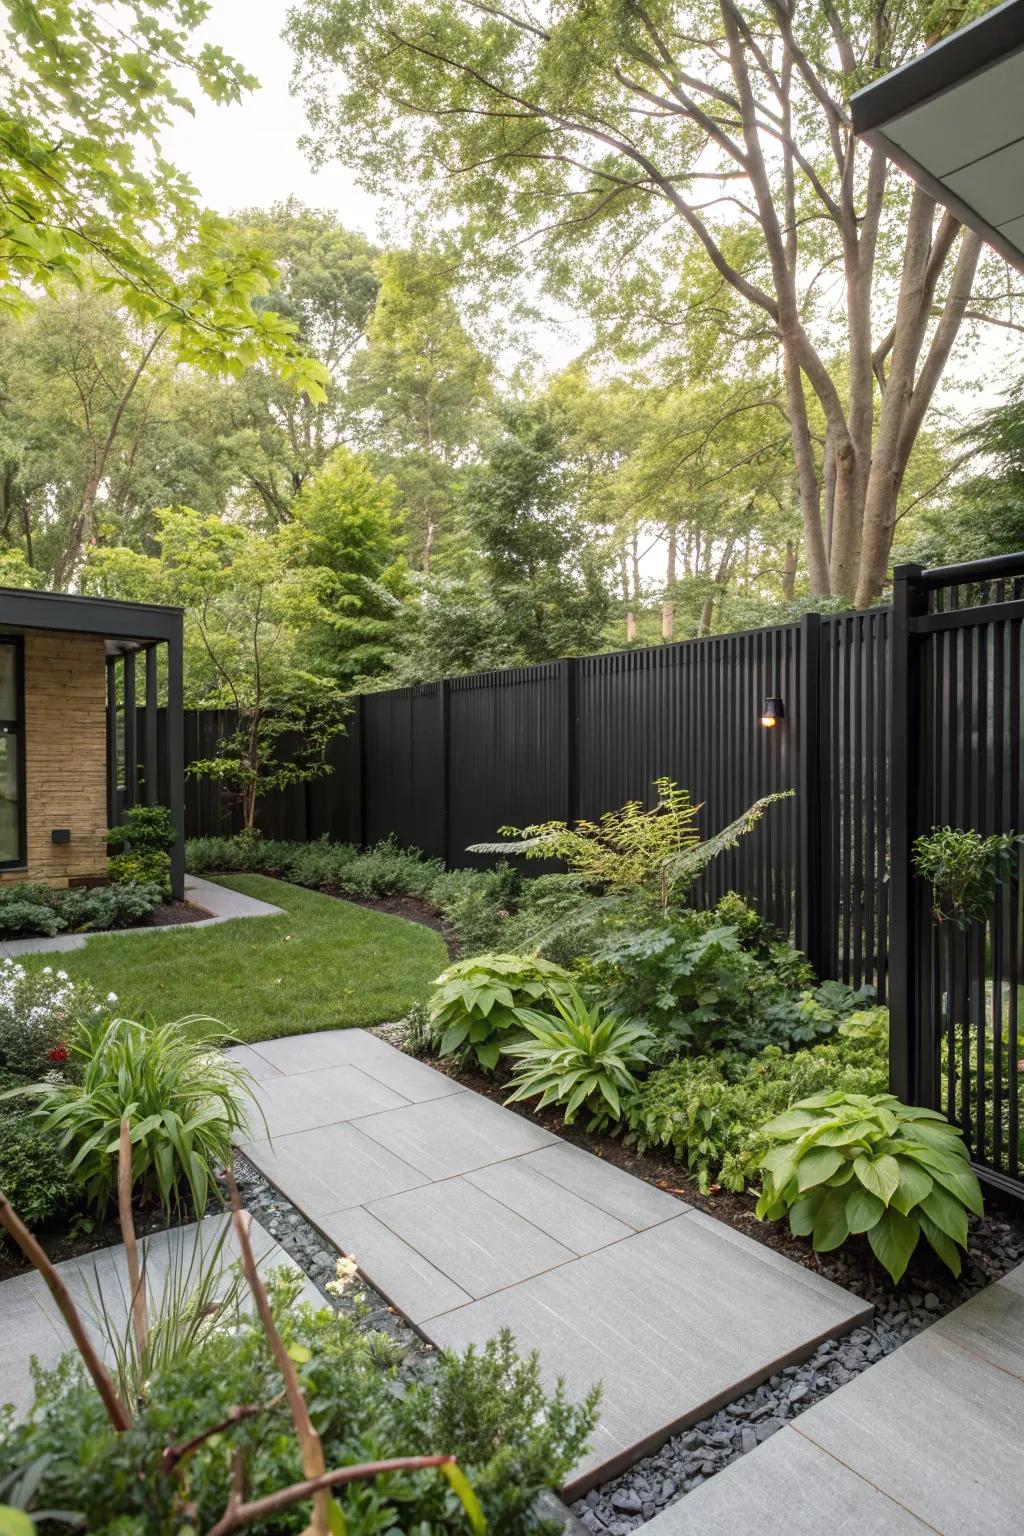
{"x": 845, "y": 1163}
{"x": 577, "y": 1057}
{"x": 474, "y": 1009}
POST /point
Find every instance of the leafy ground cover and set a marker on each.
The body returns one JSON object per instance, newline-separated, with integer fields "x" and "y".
{"x": 323, "y": 964}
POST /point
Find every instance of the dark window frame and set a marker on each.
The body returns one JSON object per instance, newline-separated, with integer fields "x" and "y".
{"x": 17, "y": 645}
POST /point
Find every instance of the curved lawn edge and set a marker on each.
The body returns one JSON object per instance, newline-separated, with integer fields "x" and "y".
{"x": 323, "y": 963}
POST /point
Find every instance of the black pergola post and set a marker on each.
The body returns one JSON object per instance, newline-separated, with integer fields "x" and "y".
{"x": 131, "y": 733}
{"x": 176, "y": 748}
{"x": 150, "y": 778}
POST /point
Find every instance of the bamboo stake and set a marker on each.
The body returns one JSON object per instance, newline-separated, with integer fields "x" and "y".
{"x": 36, "y": 1255}
{"x": 136, "y": 1280}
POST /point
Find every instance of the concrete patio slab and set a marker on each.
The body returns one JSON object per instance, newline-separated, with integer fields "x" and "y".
{"x": 31, "y": 1324}
{"x": 413, "y": 1079}
{"x": 477, "y": 1242}
{"x": 493, "y": 1222}
{"x": 786, "y": 1486}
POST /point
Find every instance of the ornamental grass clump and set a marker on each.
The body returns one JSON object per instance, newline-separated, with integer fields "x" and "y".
{"x": 183, "y": 1100}
{"x": 847, "y": 1163}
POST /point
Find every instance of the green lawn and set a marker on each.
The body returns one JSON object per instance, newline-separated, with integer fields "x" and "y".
{"x": 323, "y": 964}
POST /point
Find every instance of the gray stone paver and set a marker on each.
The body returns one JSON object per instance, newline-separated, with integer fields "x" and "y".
{"x": 479, "y": 1243}
{"x": 928, "y": 1440}
{"x": 332, "y": 1168}
{"x": 31, "y": 1324}
{"x": 311, "y": 1099}
{"x": 576, "y": 1222}
{"x": 484, "y": 1227}
{"x": 446, "y": 1137}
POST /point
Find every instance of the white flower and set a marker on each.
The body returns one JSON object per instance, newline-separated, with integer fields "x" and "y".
{"x": 62, "y": 975}
{"x": 111, "y": 997}
{"x": 47, "y": 970}
{"x": 345, "y": 1271}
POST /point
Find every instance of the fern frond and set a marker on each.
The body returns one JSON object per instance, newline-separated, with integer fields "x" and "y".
{"x": 518, "y": 847}
{"x": 687, "y": 865}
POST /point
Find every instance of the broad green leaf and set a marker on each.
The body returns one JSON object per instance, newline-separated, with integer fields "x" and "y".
{"x": 831, "y": 1227}
{"x": 299, "y": 1353}
{"x": 893, "y": 1240}
{"x": 947, "y": 1213}
{"x": 863, "y": 1209}
{"x": 15, "y": 1522}
{"x": 881, "y": 1175}
{"x": 944, "y": 1246}
{"x": 817, "y": 1165}
{"x": 962, "y": 1182}
{"x": 487, "y": 1055}
{"x": 802, "y": 1213}
{"x": 793, "y": 1122}
{"x": 460, "y": 1486}
{"x": 336, "y": 1522}
{"x": 915, "y": 1183}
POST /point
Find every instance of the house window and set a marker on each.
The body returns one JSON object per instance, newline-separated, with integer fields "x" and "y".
{"x": 12, "y": 760}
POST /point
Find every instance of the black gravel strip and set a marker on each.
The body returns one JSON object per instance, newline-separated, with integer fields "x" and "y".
{"x": 697, "y": 1453}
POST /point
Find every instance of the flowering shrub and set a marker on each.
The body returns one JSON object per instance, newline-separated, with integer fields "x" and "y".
{"x": 41, "y": 1014}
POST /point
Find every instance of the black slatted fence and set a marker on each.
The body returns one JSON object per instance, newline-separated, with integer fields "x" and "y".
{"x": 444, "y": 765}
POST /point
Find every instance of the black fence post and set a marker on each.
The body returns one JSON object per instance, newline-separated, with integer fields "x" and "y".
{"x": 443, "y": 709}
{"x": 905, "y": 1064}
{"x": 810, "y": 935}
{"x": 361, "y": 821}
{"x": 567, "y": 687}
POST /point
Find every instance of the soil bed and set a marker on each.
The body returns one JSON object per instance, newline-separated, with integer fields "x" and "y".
{"x": 171, "y": 915}
{"x": 412, "y": 908}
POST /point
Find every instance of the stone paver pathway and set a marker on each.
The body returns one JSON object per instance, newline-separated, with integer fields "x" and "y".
{"x": 31, "y": 1325}
{"x": 930, "y": 1440}
{"x": 470, "y": 1218}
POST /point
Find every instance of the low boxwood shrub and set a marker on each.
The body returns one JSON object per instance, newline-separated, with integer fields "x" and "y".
{"x": 846, "y": 1163}
{"x": 709, "y": 1111}
{"x": 487, "y": 1407}
{"x": 142, "y": 867}
{"x": 577, "y": 1057}
{"x": 473, "y": 1010}
{"x": 33, "y": 1170}
{"x": 32, "y": 909}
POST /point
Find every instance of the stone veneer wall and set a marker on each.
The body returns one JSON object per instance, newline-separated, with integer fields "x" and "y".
{"x": 65, "y": 757}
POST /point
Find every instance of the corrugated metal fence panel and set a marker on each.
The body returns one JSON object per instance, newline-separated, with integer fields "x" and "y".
{"x": 691, "y": 712}
{"x": 334, "y": 801}
{"x": 403, "y": 763}
{"x": 854, "y": 765}
{"x": 508, "y": 757}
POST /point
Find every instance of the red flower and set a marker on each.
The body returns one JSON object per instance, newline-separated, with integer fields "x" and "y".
{"x": 59, "y": 1053}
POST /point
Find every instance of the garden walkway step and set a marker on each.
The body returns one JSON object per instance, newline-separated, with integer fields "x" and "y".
{"x": 31, "y": 1325}
{"x": 929, "y": 1440}
{"x": 470, "y": 1218}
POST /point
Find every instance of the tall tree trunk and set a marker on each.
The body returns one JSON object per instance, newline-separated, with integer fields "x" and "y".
{"x": 80, "y": 532}
{"x": 668, "y": 607}
{"x": 789, "y": 572}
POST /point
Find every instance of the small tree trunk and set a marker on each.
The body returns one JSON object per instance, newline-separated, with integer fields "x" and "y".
{"x": 789, "y": 572}
{"x": 668, "y": 608}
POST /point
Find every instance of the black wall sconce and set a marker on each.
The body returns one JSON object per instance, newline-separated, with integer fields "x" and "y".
{"x": 772, "y": 711}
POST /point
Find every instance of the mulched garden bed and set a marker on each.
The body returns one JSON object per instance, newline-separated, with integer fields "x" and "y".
{"x": 927, "y": 1292}
{"x": 412, "y": 908}
{"x": 171, "y": 914}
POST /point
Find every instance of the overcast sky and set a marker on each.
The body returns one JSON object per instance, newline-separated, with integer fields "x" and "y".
{"x": 247, "y": 156}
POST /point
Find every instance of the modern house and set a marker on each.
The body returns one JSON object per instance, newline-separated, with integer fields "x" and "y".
{"x": 76, "y": 748}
